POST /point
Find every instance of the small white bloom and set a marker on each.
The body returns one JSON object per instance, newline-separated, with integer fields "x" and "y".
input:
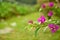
{"x": 13, "y": 24}
{"x": 46, "y": 21}
{"x": 57, "y": 21}
{"x": 50, "y": 20}
{"x": 29, "y": 23}
{"x": 40, "y": 9}
{"x": 39, "y": 23}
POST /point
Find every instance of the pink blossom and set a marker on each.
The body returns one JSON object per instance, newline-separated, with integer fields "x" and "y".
{"x": 53, "y": 27}
{"x": 43, "y": 6}
{"x": 50, "y": 13}
{"x": 30, "y": 22}
{"x": 51, "y": 4}
{"x": 42, "y": 19}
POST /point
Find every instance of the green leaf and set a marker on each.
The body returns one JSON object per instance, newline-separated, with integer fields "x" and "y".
{"x": 36, "y": 31}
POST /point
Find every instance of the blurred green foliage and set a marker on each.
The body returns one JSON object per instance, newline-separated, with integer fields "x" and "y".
{"x": 52, "y": 0}
{"x": 5, "y": 8}
{"x": 30, "y": 2}
{"x": 8, "y": 9}
{"x": 2, "y": 25}
{"x": 22, "y": 10}
{"x": 57, "y": 11}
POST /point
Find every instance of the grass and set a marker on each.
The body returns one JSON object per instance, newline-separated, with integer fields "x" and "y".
{"x": 20, "y": 33}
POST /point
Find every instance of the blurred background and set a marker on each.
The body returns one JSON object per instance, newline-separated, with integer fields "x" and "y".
{"x": 14, "y": 17}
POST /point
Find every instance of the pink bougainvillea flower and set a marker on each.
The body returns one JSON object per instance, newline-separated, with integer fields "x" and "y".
{"x": 42, "y": 19}
{"x": 53, "y": 27}
{"x": 43, "y": 6}
{"x": 30, "y": 22}
{"x": 51, "y": 4}
{"x": 50, "y": 13}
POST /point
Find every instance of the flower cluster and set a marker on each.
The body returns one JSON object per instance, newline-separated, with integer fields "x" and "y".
{"x": 51, "y": 4}
{"x": 49, "y": 7}
{"x": 53, "y": 27}
{"x": 43, "y": 21}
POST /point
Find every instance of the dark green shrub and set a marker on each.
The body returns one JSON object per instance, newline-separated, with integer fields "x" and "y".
{"x": 5, "y": 8}
{"x": 8, "y": 10}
